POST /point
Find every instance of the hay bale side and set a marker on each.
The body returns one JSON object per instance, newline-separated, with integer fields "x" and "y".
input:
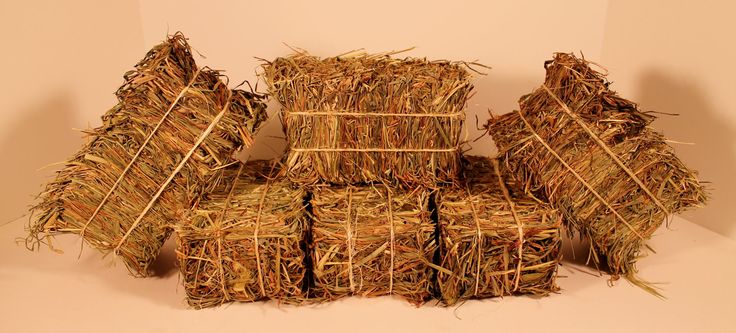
{"x": 490, "y": 248}
{"x": 592, "y": 154}
{"x": 166, "y": 79}
{"x": 362, "y": 118}
{"x": 371, "y": 241}
{"x": 218, "y": 257}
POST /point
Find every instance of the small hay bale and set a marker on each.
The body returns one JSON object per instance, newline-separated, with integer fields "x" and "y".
{"x": 360, "y": 118}
{"x": 245, "y": 241}
{"x": 371, "y": 241}
{"x": 153, "y": 154}
{"x": 494, "y": 242}
{"x": 594, "y": 156}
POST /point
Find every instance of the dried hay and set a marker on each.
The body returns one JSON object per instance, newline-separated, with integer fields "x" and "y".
{"x": 245, "y": 240}
{"x": 360, "y": 118}
{"x": 154, "y": 154}
{"x": 371, "y": 241}
{"x": 593, "y": 155}
{"x": 493, "y": 241}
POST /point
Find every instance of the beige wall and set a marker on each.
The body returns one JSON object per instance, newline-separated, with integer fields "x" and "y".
{"x": 514, "y": 37}
{"x": 64, "y": 61}
{"x": 678, "y": 57}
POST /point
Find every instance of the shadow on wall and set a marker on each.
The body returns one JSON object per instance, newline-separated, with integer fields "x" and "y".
{"x": 270, "y": 141}
{"x": 499, "y": 93}
{"x": 42, "y": 136}
{"x": 713, "y": 153}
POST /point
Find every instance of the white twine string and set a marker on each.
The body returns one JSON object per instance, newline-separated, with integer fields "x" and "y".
{"x": 610, "y": 153}
{"x": 153, "y": 200}
{"x": 138, "y": 153}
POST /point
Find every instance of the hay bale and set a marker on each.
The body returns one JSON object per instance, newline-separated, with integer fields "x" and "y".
{"x": 245, "y": 240}
{"x": 360, "y": 118}
{"x": 371, "y": 241}
{"x": 153, "y": 154}
{"x": 494, "y": 242}
{"x": 593, "y": 155}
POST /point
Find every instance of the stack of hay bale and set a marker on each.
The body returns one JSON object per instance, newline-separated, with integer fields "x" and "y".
{"x": 377, "y": 140}
{"x": 371, "y": 135}
{"x": 374, "y": 196}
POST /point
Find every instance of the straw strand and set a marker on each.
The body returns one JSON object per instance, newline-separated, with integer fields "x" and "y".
{"x": 479, "y": 241}
{"x": 392, "y": 239}
{"x": 349, "y": 239}
{"x": 519, "y": 224}
{"x": 255, "y": 237}
{"x": 352, "y": 113}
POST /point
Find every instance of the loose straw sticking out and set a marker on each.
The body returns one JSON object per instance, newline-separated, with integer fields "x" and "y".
{"x": 164, "y": 105}
{"x": 384, "y": 237}
{"x": 404, "y": 129}
{"x": 262, "y": 235}
{"x": 481, "y": 225}
{"x": 593, "y": 155}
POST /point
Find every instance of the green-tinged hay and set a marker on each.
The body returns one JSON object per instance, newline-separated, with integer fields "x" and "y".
{"x": 174, "y": 124}
{"x": 360, "y": 118}
{"x": 245, "y": 240}
{"x": 371, "y": 241}
{"x": 593, "y": 155}
{"x": 495, "y": 242}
